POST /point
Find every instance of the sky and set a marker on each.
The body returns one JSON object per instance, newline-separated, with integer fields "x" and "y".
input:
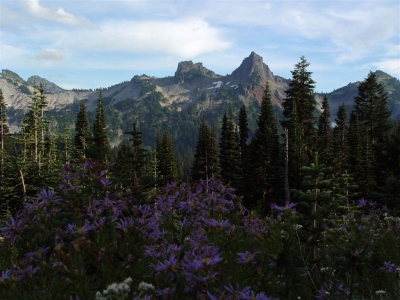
{"x": 99, "y": 43}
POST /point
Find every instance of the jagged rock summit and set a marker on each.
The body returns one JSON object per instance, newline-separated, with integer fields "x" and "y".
{"x": 187, "y": 70}
{"x": 253, "y": 69}
{"x": 48, "y": 86}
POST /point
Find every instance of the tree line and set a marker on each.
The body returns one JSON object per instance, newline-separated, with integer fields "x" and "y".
{"x": 301, "y": 158}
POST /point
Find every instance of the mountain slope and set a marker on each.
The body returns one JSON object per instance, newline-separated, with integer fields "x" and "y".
{"x": 194, "y": 90}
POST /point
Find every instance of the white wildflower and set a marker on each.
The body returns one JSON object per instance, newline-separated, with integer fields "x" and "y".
{"x": 380, "y": 292}
{"x": 297, "y": 226}
{"x": 146, "y": 287}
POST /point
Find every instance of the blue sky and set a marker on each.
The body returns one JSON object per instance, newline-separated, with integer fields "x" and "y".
{"x": 98, "y": 43}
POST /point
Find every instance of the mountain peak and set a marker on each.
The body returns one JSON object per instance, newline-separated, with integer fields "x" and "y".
{"x": 48, "y": 86}
{"x": 187, "y": 69}
{"x": 252, "y": 68}
{"x": 12, "y": 76}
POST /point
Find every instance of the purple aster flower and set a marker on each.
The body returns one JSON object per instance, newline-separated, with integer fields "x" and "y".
{"x": 5, "y": 275}
{"x": 247, "y": 257}
{"x": 237, "y": 293}
{"x": 389, "y": 267}
{"x": 105, "y": 182}
{"x": 71, "y": 228}
{"x": 38, "y": 254}
{"x": 48, "y": 196}
{"x": 252, "y": 296}
{"x": 165, "y": 292}
{"x": 170, "y": 264}
{"x": 357, "y": 252}
{"x": 362, "y": 202}
{"x": 288, "y": 206}
{"x": 216, "y": 224}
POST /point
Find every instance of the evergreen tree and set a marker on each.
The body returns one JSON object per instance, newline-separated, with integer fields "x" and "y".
{"x": 123, "y": 165}
{"x": 4, "y": 132}
{"x": 82, "y": 132}
{"x": 139, "y": 157}
{"x": 371, "y": 107}
{"x": 356, "y": 149}
{"x": 165, "y": 157}
{"x": 243, "y": 132}
{"x": 4, "y": 128}
{"x": 340, "y": 142}
{"x": 229, "y": 154}
{"x": 324, "y": 134}
{"x": 101, "y": 145}
{"x": 205, "y": 165}
{"x": 298, "y": 108}
{"x": 243, "y": 146}
{"x": 265, "y": 172}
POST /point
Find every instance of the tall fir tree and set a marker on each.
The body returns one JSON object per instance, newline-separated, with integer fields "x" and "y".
{"x": 165, "y": 157}
{"x": 371, "y": 107}
{"x": 4, "y": 132}
{"x": 298, "y": 108}
{"x": 265, "y": 181}
{"x": 324, "y": 134}
{"x": 356, "y": 149}
{"x": 139, "y": 156}
{"x": 229, "y": 152}
{"x": 340, "y": 142}
{"x": 83, "y": 135}
{"x": 4, "y": 127}
{"x": 101, "y": 145}
{"x": 243, "y": 146}
{"x": 205, "y": 164}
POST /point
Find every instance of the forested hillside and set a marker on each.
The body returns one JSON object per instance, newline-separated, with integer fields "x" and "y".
{"x": 273, "y": 201}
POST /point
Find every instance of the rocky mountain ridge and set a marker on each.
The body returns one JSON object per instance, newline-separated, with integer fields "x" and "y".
{"x": 192, "y": 85}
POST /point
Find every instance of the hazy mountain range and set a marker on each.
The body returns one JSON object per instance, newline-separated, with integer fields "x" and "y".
{"x": 193, "y": 87}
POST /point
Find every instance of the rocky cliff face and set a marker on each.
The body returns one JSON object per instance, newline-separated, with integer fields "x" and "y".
{"x": 48, "y": 86}
{"x": 187, "y": 70}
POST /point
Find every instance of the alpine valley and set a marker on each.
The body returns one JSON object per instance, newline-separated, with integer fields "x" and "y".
{"x": 174, "y": 103}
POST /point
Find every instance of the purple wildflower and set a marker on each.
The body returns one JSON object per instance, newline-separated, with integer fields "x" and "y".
{"x": 165, "y": 292}
{"x": 288, "y": 206}
{"x": 362, "y": 202}
{"x": 247, "y": 257}
{"x": 5, "y": 275}
{"x": 216, "y": 224}
{"x": 389, "y": 267}
{"x": 170, "y": 264}
{"x": 237, "y": 293}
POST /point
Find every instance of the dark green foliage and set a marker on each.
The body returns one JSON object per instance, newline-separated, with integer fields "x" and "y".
{"x": 4, "y": 132}
{"x": 356, "y": 152}
{"x": 264, "y": 183}
{"x": 101, "y": 147}
{"x": 229, "y": 152}
{"x": 370, "y": 105}
{"x": 83, "y": 135}
{"x": 300, "y": 93}
{"x": 340, "y": 142}
{"x": 324, "y": 134}
{"x": 165, "y": 157}
{"x": 298, "y": 108}
{"x": 243, "y": 147}
{"x": 138, "y": 159}
{"x": 205, "y": 165}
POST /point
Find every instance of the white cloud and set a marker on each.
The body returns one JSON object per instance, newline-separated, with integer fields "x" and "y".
{"x": 390, "y": 66}
{"x": 60, "y": 15}
{"x": 50, "y": 54}
{"x": 393, "y": 50}
{"x": 183, "y": 38}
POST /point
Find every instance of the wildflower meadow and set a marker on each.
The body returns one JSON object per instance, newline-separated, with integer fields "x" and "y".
{"x": 91, "y": 240}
